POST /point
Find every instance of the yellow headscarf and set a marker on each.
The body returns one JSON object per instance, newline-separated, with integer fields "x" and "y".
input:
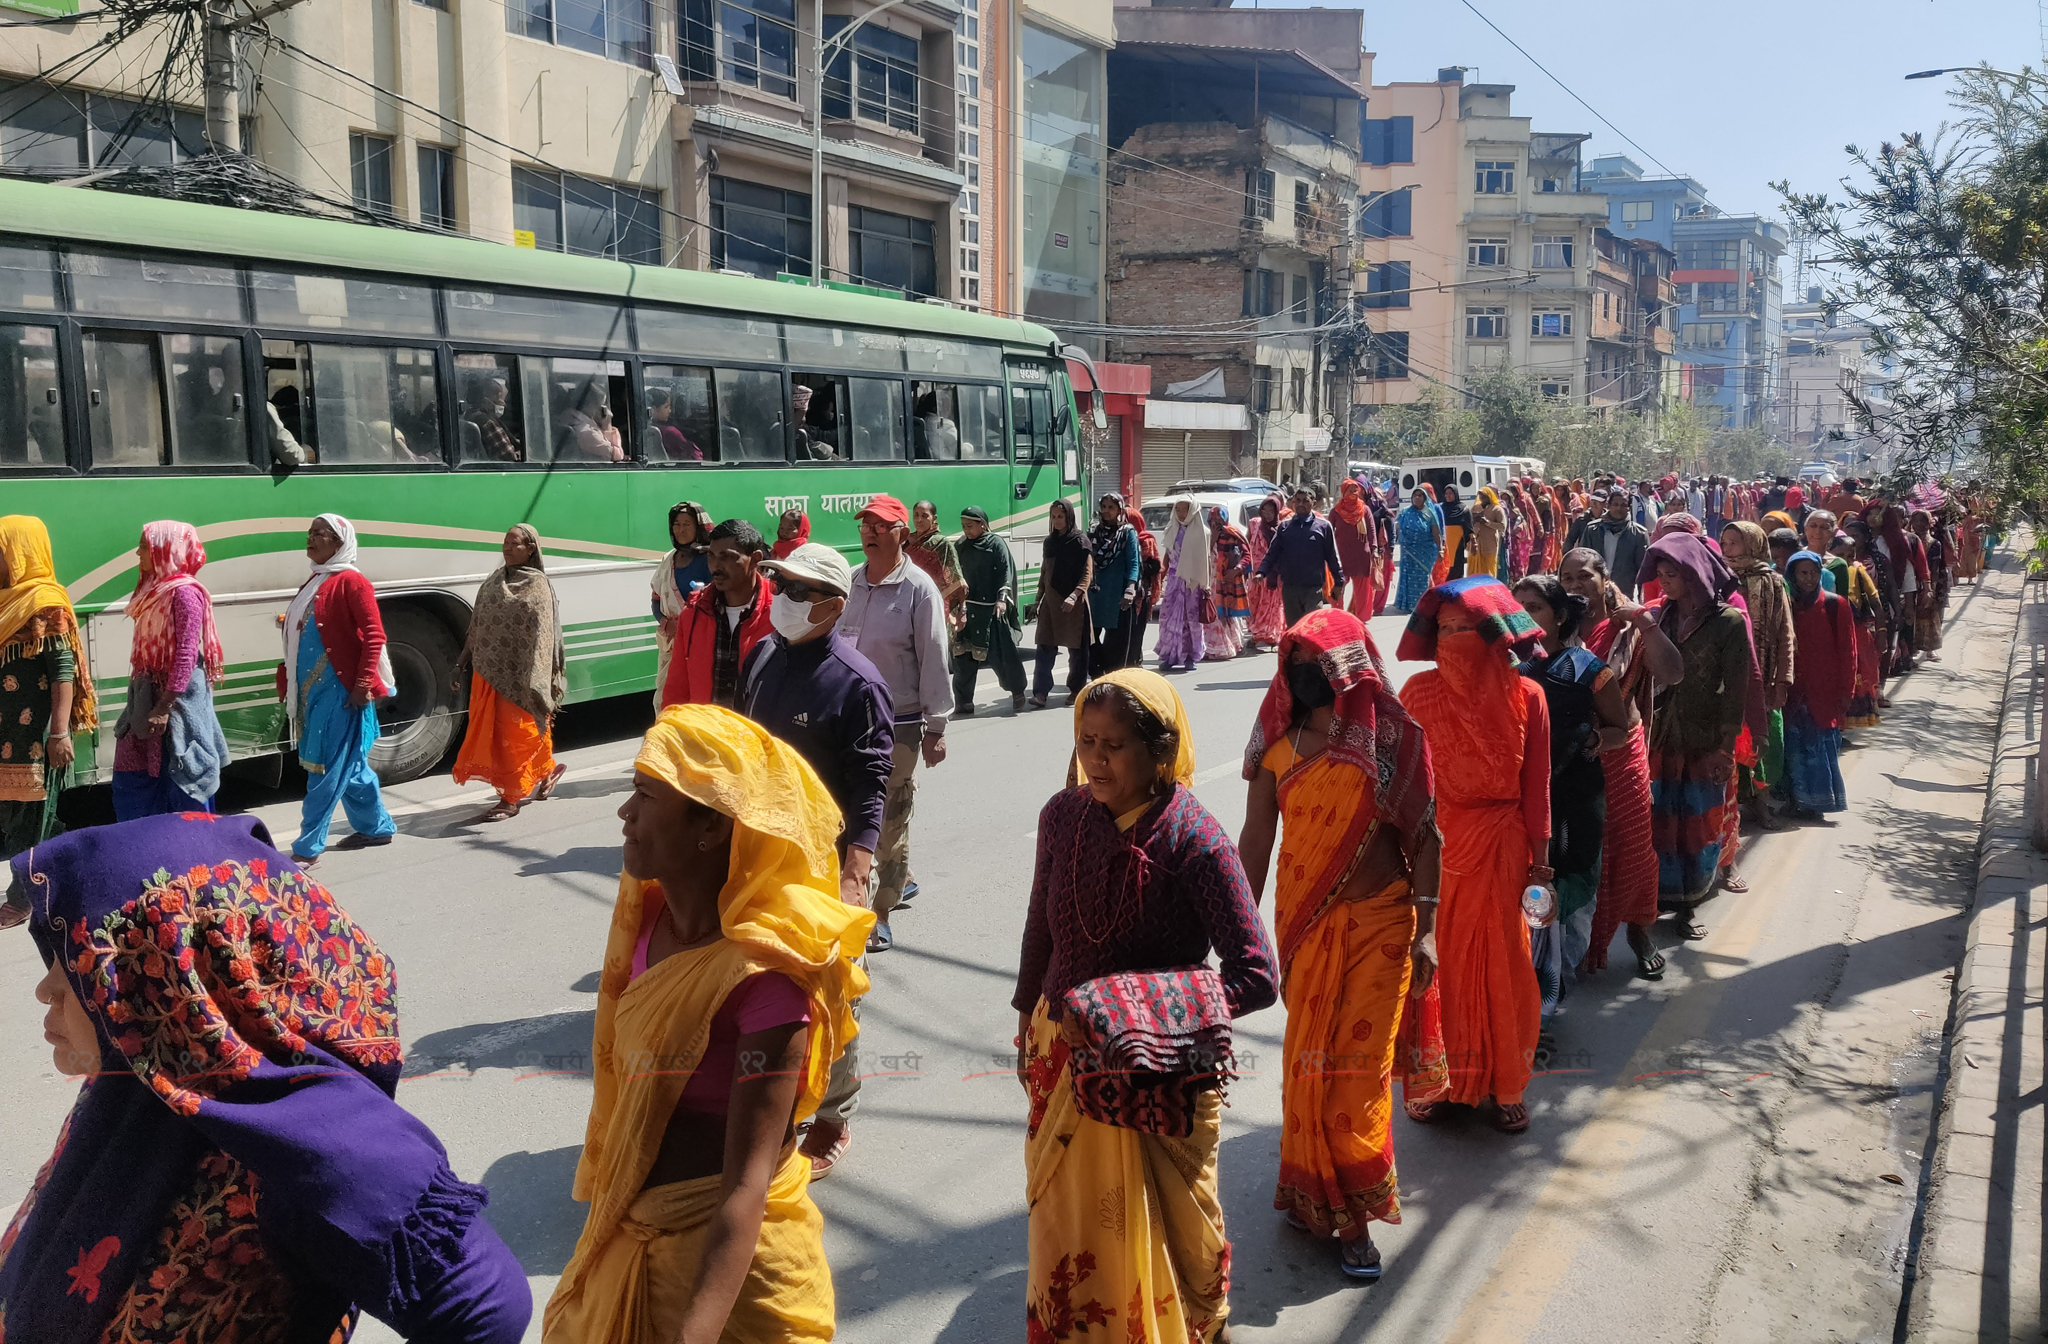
{"x": 32, "y": 589}
{"x": 1155, "y": 693}
{"x": 1488, "y": 496}
{"x": 779, "y": 910}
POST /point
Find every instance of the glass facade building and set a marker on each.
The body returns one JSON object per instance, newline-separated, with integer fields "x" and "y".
{"x": 1059, "y": 147}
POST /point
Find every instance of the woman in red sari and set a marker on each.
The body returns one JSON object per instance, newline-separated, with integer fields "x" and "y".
{"x": 1355, "y": 531}
{"x": 1336, "y": 759}
{"x": 1489, "y": 733}
{"x": 1269, "y": 614}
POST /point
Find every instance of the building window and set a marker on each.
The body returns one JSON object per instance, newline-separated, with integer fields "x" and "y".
{"x": 437, "y": 186}
{"x": 1260, "y": 298}
{"x": 1638, "y": 212}
{"x": 620, "y": 30}
{"x": 566, "y": 213}
{"x": 1258, "y": 194}
{"x": 1386, "y": 285}
{"x": 369, "y": 169}
{"x": 1494, "y": 177}
{"x": 892, "y": 251}
{"x": 759, "y": 230}
{"x": 1704, "y": 335}
{"x": 1386, "y": 355}
{"x": 1486, "y": 252}
{"x": 1297, "y": 389}
{"x": 750, "y": 42}
{"x": 45, "y": 129}
{"x": 1555, "y": 391}
{"x": 876, "y": 80}
{"x": 1715, "y": 255}
{"x": 1302, "y": 207}
{"x": 1297, "y": 298}
{"x": 1486, "y": 323}
{"x": 1550, "y": 322}
{"x": 1552, "y": 252}
{"x": 1385, "y": 140}
{"x": 1262, "y": 388}
{"x": 1389, "y": 215}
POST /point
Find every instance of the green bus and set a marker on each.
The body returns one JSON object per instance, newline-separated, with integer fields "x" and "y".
{"x": 245, "y": 371}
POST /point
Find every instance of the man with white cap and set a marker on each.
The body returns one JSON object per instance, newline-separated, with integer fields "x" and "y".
{"x": 810, "y": 686}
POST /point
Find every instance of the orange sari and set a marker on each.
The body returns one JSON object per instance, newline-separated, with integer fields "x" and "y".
{"x": 1344, "y": 975}
{"x": 504, "y": 747}
{"x": 1485, "y": 990}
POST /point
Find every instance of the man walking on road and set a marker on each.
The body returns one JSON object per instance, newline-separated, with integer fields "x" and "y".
{"x": 1621, "y": 542}
{"x": 721, "y": 622}
{"x": 896, "y": 618}
{"x": 810, "y": 687}
{"x": 1300, "y": 552}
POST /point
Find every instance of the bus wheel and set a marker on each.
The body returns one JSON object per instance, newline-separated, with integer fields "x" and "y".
{"x": 417, "y": 724}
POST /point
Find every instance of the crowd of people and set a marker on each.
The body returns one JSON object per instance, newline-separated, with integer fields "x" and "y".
{"x": 1615, "y": 674}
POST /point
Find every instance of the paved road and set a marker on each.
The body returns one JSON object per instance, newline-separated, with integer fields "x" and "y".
{"x": 1707, "y": 1159}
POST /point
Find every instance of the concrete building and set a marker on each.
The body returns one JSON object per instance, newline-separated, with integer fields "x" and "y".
{"x": 656, "y": 133}
{"x": 1475, "y": 244}
{"x": 1827, "y": 366}
{"x": 1728, "y": 286}
{"x": 1630, "y": 358}
{"x": 1232, "y": 173}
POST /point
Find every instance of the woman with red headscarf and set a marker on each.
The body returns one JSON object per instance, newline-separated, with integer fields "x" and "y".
{"x": 1356, "y": 532}
{"x": 1340, "y": 773}
{"x": 168, "y": 746}
{"x": 1489, "y": 735}
{"x": 1522, "y": 544}
{"x": 1269, "y": 612}
{"x": 1907, "y": 557}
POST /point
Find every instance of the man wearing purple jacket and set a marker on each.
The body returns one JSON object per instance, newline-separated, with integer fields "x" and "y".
{"x": 808, "y": 685}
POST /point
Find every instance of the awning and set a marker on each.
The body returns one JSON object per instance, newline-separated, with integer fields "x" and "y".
{"x": 1161, "y": 414}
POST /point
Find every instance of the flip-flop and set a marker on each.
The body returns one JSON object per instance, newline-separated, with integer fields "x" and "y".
{"x": 1506, "y": 1123}
{"x": 1650, "y": 967}
{"x": 1691, "y": 930}
{"x": 1366, "y": 1273}
{"x": 499, "y": 811}
{"x": 304, "y": 862}
{"x": 1733, "y": 881}
{"x": 546, "y": 788}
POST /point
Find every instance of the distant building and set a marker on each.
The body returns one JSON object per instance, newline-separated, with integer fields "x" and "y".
{"x": 1631, "y": 362}
{"x": 1475, "y": 243}
{"x": 1727, "y": 282}
{"x": 1827, "y": 360}
{"x": 1232, "y": 173}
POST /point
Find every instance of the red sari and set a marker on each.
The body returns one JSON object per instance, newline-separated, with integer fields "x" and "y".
{"x": 1628, "y": 854}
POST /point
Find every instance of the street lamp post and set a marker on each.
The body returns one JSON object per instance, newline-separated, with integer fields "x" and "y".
{"x": 1964, "y": 70}
{"x": 819, "y": 48}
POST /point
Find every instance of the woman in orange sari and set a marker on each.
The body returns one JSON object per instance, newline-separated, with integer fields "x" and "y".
{"x": 1337, "y": 762}
{"x": 1489, "y": 734}
{"x": 513, "y": 662}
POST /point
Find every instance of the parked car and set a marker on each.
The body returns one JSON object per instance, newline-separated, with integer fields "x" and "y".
{"x": 1242, "y": 508}
{"x": 1235, "y": 485}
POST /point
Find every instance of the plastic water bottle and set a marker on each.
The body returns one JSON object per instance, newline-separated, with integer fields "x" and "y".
{"x": 1539, "y": 906}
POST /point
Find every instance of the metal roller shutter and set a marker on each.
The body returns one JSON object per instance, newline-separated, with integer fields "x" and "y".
{"x": 1185, "y": 455}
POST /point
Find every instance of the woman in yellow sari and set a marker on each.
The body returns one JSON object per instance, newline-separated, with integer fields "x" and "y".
{"x": 726, "y": 995}
{"x": 1339, "y": 764}
{"x": 1134, "y": 875}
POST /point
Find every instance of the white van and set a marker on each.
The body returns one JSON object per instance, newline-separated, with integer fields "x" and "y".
{"x": 1467, "y": 473}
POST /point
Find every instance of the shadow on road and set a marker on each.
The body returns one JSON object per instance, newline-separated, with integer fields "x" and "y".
{"x": 531, "y": 1207}
{"x": 551, "y": 1042}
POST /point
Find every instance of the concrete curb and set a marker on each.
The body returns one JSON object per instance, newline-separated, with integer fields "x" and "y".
{"x": 1977, "y": 1271}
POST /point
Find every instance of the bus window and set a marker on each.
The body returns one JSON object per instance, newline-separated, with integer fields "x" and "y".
{"x": 208, "y": 426}
{"x": 491, "y": 423}
{"x": 750, "y": 416}
{"x": 544, "y": 319}
{"x": 26, "y": 280}
{"x": 286, "y": 299}
{"x": 31, "y": 411}
{"x": 122, "y": 286}
{"x": 573, "y": 406}
{"x": 935, "y": 432}
{"x": 981, "y": 424}
{"x": 1031, "y": 414}
{"x": 952, "y": 359}
{"x": 877, "y": 420}
{"x": 843, "y": 347}
{"x": 670, "y": 331}
{"x": 820, "y": 401}
{"x": 355, "y": 405}
{"x": 125, "y": 396}
{"x": 680, "y": 425}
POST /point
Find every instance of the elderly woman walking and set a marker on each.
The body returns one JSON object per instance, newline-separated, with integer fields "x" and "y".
{"x": 932, "y": 551}
{"x": 516, "y": 685}
{"x": 1185, "y": 541}
{"x": 1226, "y": 632}
{"x": 1066, "y": 568}
{"x": 731, "y": 956}
{"x": 1489, "y": 739}
{"x": 236, "y": 1166}
{"x": 989, "y": 623}
{"x": 1356, "y": 533}
{"x": 1764, "y": 595}
{"x": 685, "y": 569}
{"x": 1269, "y": 610}
{"x": 1114, "y": 593}
{"x": 1135, "y": 885}
{"x": 1821, "y": 693}
{"x": 46, "y": 691}
{"x": 335, "y": 671}
{"x": 168, "y": 746}
{"x": 1341, "y": 776}
{"x": 1422, "y": 538}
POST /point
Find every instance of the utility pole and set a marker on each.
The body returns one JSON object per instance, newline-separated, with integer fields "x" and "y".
{"x": 217, "y": 49}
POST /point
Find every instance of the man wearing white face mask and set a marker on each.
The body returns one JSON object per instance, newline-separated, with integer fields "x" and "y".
{"x": 808, "y": 685}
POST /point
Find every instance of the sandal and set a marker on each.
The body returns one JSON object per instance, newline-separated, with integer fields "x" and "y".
{"x": 1512, "y": 1119}
{"x": 303, "y": 861}
{"x": 11, "y": 915}
{"x": 1424, "y": 1112}
{"x": 501, "y": 810}
{"x": 1366, "y": 1267}
{"x": 546, "y": 788}
{"x": 1690, "y": 929}
{"x": 1732, "y": 881}
{"x": 1651, "y": 966}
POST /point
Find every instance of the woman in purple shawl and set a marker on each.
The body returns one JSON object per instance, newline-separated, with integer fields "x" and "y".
{"x": 235, "y": 1165}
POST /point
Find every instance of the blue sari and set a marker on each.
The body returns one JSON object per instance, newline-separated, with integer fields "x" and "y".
{"x": 1417, "y": 536}
{"x": 335, "y": 738}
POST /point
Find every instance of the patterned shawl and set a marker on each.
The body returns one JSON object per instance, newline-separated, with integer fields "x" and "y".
{"x": 175, "y": 556}
{"x": 249, "y": 1046}
{"x": 515, "y": 635}
{"x": 1485, "y": 598}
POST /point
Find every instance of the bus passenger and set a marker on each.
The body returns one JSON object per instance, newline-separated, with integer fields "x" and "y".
{"x": 45, "y": 687}
{"x": 587, "y": 433}
{"x": 335, "y": 667}
{"x": 675, "y": 444}
{"x": 486, "y": 415}
{"x": 938, "y": 438}
{"x": 517, "y": 686}
{"x": 168, "y": 746}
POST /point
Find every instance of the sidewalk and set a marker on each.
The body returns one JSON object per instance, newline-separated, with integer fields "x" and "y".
{"x": 1977, "y": 1271}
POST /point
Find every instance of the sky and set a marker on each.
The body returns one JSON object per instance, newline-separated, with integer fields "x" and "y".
{"x": 1735, "y": 93}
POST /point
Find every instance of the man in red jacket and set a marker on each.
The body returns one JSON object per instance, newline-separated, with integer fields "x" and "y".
{"x": 722, "y": 621}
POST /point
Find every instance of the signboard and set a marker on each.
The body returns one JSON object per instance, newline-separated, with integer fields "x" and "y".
{"x": 1062, "y": 240}
{"x": 522, "y": 238}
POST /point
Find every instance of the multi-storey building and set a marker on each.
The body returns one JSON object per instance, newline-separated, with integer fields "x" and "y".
{"x": 1828, "y": 367}
{"x": 1630, "y": 364}
{"x": 1728, "y": 287}
{"x": 656, "y": 133}
{"x": 1232, "y": 176}
{"x": 1475, "y": 243}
